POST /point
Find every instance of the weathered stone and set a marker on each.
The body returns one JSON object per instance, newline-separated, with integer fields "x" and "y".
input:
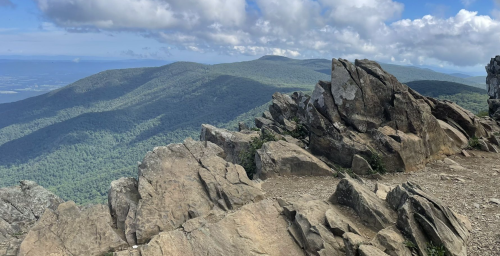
{"x": 184, "y": 181}
{"x": 391, "y": 242}
{"x": 369, "y": 250}
{"x": 352, "y": 243}
{"x": 261, "y": 122}
{"x": 282, "y": 108}
{"x": 20, "y": 207}
{"x": 283, "y": 158}
{"x": 423, "y": 218}
{"x": 70, "y": 231}
{"x": 233, "y": 143}
{"x": 381, "y": 190}
{"x": 373, "y": 211}
{"x": 458, "y": 138}
{"x": 255, "y": 229}
{"x": 242, "y": 126}
{"x": 360, "y": 166}
{"x": 339, "y": 224}
{"x": 123, "y": 197}
{"x": 493, "y": 82}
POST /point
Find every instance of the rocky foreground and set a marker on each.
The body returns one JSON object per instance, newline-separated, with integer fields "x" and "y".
{"x": 196, "y": 198}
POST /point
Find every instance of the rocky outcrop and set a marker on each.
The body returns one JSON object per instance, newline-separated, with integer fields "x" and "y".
{"x": 123, "y": 197}
{"x": 20, "y": 207}
{"x": 373, "y": 211}
{"x": 256, "y": 229}
{"x": 184, "y": 181}
{"x": 233, "y": 143}
{"x": 493, "y": 83}
{"x": 283, "y": 158}
{"x": 71, "y": 231}
{"x": 422, "y": 218}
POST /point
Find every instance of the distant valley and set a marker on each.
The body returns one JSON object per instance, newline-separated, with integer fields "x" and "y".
{"x": 76, "y": 139}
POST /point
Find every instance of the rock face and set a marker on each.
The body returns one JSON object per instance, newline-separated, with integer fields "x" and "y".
{"x": 422, "y": 218}
{"x": 283, "y": 158}
{"x": 256, "y": 229}
{"x": 493, "y": 83}
{"x": 71, "y": 231}
{"x": 123, "y": 197}
{"x": 365, "y": 110}
{"x": 184, "y": 181}
{"x": 233, "y": 143}
{"x": 20, "y": 207}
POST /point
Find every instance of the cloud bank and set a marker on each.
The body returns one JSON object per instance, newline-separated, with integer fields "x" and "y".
{"x": 296, "y": 28}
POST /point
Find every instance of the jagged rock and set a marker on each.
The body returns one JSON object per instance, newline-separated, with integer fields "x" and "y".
{"x": 352, "y": 243}
{"x": 184, "y": 181}
{"x": 373, "y": 211}
{"x": 381, "y": 190}
{"x": 458, "y": 117}
{"x": 360, "y": 166}
{"x": 70, "y": 231}
{"x": 233, "y": 143}
{"x": 20, "y": 207}
{"x": 493, "y": 82}
{"x": 423, "y": 219}
{"x": 242, "y": 127}
{"x": 261, "y": 122}
{"x": 282, "y": 108}
{"x": 255, "y": 229}
{"x": 283, "y": 158}
{"x": 123, "y": 197}
{"x": 369, "y": 250}
{"x": 458, "y": 138}
{"x": 391, "y": 242}
{"x": 339, "y": 224}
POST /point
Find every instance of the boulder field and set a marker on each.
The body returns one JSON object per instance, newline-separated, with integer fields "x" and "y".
{"x": 195, "y": 198}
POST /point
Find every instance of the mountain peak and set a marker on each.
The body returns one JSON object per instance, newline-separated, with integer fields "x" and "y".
{"x": 275, "y": 58}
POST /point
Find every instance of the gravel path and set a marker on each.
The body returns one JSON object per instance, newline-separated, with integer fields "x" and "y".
{"x": 466, "y": 188}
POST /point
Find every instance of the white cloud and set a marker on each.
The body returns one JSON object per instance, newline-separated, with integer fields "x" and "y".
{"x": 296, "y": 28}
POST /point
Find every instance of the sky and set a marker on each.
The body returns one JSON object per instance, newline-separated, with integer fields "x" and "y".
{"x": 451, "y": 34}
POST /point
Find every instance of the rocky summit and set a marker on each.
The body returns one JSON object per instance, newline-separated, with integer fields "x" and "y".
{"x": 196, "y": 197}
{"x": 493, "y": 83}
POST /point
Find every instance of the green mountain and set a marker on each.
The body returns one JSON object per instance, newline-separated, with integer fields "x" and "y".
{"x": 78, "y": 138}
{"x": 478, "y": 79}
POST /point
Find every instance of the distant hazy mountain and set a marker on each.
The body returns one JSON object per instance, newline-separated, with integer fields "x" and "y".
{"x": 21, "y": 79}
{"x": 460, "y": 75}
{"x": 478, "y": 79}
{"x": 76, "y": 139}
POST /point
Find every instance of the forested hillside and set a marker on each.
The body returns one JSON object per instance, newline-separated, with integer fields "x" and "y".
{"x": 77, "y": 139}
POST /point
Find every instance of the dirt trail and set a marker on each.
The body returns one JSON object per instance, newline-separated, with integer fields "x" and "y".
{"x": 466, "y": 190}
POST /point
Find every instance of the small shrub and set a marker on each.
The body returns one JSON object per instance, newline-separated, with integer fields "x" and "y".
{"x": 247, "y": 157}
{"x": 108, "y": 254}
{"x": 435, "y": 250}
{"x": 255, "y": 129}
{"x": 376, "y": 163}
{"x": 409, "y": 244}
{"x": 474, "y": 143}
{"x": 483, "y": 113}
{"x": 300, "y": 131}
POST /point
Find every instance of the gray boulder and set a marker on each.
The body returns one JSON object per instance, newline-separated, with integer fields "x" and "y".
{"x": 71, "y": 231}
{"x": 20, "y": 207}
{"x": 233, "y": 143}
{"x": 360, "y": 166}
{"x": 123, "y": 197}
{"x": 284, "y": 158}
{"x": 373, "y": 211}
{"x": 184, "y": 181}
{"x": 422, "y": 218}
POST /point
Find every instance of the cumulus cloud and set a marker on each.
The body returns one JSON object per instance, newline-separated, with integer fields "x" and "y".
{"x": 296, "y": 28}
{"x": 7, "y": 3}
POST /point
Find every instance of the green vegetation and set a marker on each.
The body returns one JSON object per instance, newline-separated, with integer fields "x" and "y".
{"x": 376, "y": 163}
{"x": 483, "y": 113}
{"x": 435, "y": 250}
{"x": 77, "y": 139}
{"x": 248, "y": 157}
{"x": 410, "y": 245}
{"x": 474, "y": 143}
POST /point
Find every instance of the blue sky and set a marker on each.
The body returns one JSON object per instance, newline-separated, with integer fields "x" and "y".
{"x": 459, "y": 34}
